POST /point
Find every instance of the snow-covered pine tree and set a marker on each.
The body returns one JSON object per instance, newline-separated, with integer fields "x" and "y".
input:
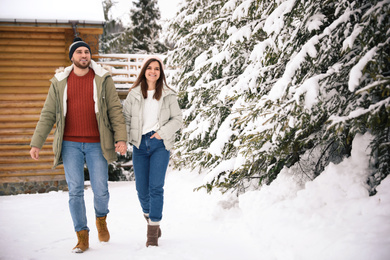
{"x": 115, "y": 36}
{"x": 146, "y": 28}
{"x": 272, "y": 84}
{"x": 200, "y": 31}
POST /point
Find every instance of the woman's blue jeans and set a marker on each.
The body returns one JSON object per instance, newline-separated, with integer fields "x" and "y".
{"x": 74, "y": 156}
{"x": 150, "y": 164}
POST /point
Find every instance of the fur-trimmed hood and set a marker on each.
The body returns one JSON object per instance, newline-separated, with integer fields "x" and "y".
{"x": 100, "y": 74}
{"x": 63, "y": 72}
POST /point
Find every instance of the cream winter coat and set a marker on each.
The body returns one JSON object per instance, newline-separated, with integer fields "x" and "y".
{"x": 169, "y": 119}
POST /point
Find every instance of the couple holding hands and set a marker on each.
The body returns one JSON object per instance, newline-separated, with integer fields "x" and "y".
{"x": 92, "y": 126}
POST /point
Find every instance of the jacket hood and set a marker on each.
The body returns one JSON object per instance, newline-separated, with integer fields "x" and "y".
{"x": 62, "y": 72}
{"x": 136, "y": 92}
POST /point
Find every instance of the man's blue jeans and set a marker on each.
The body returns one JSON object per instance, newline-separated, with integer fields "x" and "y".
{"x": 150, "y": 164}
{"x": 74, "y": 156}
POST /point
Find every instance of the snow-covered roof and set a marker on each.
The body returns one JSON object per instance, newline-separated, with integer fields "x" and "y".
{"x": 52, "y": 11}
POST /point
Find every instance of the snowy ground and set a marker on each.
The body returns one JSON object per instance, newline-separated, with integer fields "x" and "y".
{"x": 331, "y": 217}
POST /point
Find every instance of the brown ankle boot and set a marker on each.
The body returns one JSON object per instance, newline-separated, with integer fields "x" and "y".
{"x": 103, "y": 233}
{"x": 159, "y": 229}
{"x": 83, "y": 241}
{"x": 152, "y": 235}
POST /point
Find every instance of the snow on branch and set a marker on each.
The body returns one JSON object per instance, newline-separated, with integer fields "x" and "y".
{"x": 358, "y": 112}
{"x": 356, "y": 72}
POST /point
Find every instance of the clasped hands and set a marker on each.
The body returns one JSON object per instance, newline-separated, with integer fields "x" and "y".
{"x": 121, "y": 147}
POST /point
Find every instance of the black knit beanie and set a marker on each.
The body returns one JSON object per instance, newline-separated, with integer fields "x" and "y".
{"x": 77, "y": 42}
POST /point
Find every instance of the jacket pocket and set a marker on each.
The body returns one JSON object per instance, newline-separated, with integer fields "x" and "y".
{"x": 108, "y": 139}
{"x": 165, "y": 115}
{"x": 104, "y": 113}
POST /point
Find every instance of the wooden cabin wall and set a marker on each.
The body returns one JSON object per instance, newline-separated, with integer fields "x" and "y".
{"x": 29, "y": 57}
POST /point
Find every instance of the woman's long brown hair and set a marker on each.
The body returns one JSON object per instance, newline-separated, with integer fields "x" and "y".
{"x": 141, "y": 80}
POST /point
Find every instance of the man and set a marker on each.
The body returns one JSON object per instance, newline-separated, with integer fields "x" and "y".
{"x": 90, "y": 127}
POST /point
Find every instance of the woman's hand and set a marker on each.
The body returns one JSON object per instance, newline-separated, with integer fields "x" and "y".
{"x": 156, "y": 135}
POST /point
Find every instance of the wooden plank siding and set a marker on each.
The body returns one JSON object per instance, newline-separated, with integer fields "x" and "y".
{"x": 29, "y": 57}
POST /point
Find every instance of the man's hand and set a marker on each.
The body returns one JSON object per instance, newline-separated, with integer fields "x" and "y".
{"x": 34, "y": 152}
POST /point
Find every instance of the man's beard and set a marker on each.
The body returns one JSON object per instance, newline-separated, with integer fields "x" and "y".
{"x": 77, "y": 64}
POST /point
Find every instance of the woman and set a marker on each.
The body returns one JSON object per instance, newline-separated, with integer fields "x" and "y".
{"x": 152, "y": 116}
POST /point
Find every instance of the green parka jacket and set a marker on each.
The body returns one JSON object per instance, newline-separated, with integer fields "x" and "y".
{"x": 169, "y": 119}
{"x": 108, "y": 110}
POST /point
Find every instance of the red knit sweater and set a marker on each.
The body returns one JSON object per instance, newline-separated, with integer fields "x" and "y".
{"x": 80, "y": 121}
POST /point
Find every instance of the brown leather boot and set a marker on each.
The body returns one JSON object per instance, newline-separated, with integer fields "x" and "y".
{"x": 83, "y": 242}
{"x": 152, "y": 235}
{"x": 159, "y": 229}
{"x": 103, "y": 233}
